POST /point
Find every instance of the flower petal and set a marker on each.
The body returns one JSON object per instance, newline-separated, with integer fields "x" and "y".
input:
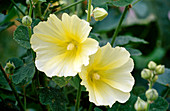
{"x": 109, "y": 58}
{"x": 119, "y": 76}
{"x": 106, "y": 95}
{"x": 76, "y": 28}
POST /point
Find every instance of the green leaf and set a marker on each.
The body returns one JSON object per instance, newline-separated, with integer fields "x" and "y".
{"x": 121, "y": 3}
{"x": 5, "y": 26}
{"x": 74, "y": 81}
{"x": 159, "y": 105}
{"x": 123, "y": 107}
{"x": 26, "y": 72}
{"x": 95, "y": 36}
{"x": 97, "y": 109}
{"x": 21, "y": 36}
{"x": 61, "y": 81}
{"x": 162, "y": 20}
{"x": 164, "y": 78}
{"x": 17, "y": 62}
{"x": 134, "y": 52}
{"x": 54, "y": 97}
{"x": 123, "y": 40}
{"x": 3, "y": 82}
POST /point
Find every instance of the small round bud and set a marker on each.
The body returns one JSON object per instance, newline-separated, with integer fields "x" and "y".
{"x": 9, "y": 68}
{"x": 146, "y": 74}
{"x": 27, "y": 2}
{"x": 99, "y": 13}
{"x": 27, "y": 20}
{"x": 160, "y": 69}
{"x": 151, "y": 94}
{"x": 155, "y": 78}
{"x": 140, "y": 105}
{"x": 152, "y": 65}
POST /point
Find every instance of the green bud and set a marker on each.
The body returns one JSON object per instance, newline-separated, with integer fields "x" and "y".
{"x": 152, "y": 65}
{"x": 160, "y": 69}
{"x": 151, "y": 94}
{"x": 99, "y": 13}
{"x": 27, "y": 20}
{"x": 27, "y": 2}
{"x": 155, "y": 78}
{"x": 9, "y": 68}
{"x": 146, "y": 74}
{"x": 140, "y": 105}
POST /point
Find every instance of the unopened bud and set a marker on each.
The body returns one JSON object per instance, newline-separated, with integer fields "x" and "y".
{"x": 140, "y": 105}
{"x": 155, "y": 78}
{"x": 160, "y": 69}
{"x": 27, "y": 20}
{"x": 99, "y": 13}
{"x": 152, "y": 65}
{"x": 146, "y": 74}
{"x": 9, "y": 68}
{"x": 151, "y": 94}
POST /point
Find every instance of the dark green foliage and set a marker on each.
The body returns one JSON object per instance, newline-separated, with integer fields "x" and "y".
{"x": 61, "y": 81}
{"x": 53, "y": 97}
{"x": 21, "y": 36}
{"x": 164, "y": 78}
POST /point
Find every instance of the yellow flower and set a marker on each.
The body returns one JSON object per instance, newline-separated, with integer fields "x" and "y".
{"x": 62, "y": 47}
{"x": 107, "y": 78}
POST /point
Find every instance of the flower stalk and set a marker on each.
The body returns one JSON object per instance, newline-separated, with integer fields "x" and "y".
{"x": 78, "y": 97}
{"x": 119, "y": 25}
{"x": 13, "y": 88}
{"x": 69, "y": 6}
{"x": 89, "y": 11}
{"x": 30, "y": 10}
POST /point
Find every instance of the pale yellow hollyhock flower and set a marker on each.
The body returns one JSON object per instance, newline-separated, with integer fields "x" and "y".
{"x": 107, "y": 78}
{"x": 62, "y": 47}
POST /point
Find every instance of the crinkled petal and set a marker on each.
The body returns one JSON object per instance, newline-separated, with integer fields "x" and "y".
{"x": 107, "y": 95}
{"x": 77, "y": 29}
{"x": 109, "y": 58}
{"x": 88, "y": 47}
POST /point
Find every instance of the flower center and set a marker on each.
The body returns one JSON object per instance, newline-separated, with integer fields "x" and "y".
{"x": 96, "y": 76}
{"x": 70, "y": 46}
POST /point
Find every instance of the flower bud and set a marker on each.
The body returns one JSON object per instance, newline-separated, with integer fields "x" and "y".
{"x": 27, "y": 20}
{"x": 99, "y": 13}
{"x": 160, "y": 69}
{"x": 146, "y": 74}
{"x": 155, "y": 78}
{"x": 151, "y": 94}
{"x": 140, "y": 105}
{"x": 9, "y": 68}
{"x": 152, "y": 65}
{"x": 27, "y": 2}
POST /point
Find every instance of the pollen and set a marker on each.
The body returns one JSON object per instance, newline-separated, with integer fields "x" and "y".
{"x": 70, "y": 46}
{"x": 96, "y": 76}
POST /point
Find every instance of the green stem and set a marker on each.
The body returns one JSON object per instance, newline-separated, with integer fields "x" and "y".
{"x": 89, "y": 11}
{"x": 45, "y": 12}
{"x": 13, "y": 88}
{"x": 78, "y": 97}
{"x": 119, "y": 25}
{"x": 18, "y": 7}
{"x": 25, "y": 102}
{"x": 30, "y": 10}
{"x": 166, "y": 93}
{"x": 71, "y": 5}
{"x": 148, "y": 105}
{"x": 90, "y": 107}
